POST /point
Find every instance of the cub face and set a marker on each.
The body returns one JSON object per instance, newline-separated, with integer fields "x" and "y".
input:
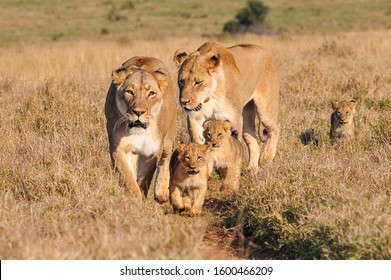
{"x": 215, "y": 132}
{"x": 344, "y": 111}
{"x": 197, "y": 78}
{"x": 193, "y": 157}
{"x": 139, "y": 95}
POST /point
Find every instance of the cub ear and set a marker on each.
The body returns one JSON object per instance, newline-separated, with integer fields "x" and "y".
{"x": 161, "y": 76}
{"x": 206, "y": 147}
{"x": 353, "y": 103}
{"x": 205, "y": 125}
{"x": 119, "y": 76}
{"x": 227, "y": 125}
{"x": 181, "y": 146}
{"x": 334, "y": 104}
{"x": 179, "y": 57}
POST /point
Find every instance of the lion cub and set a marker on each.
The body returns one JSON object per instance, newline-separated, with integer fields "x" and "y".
{"x": 226, "y": 152}
{"x": 342, "y": 119}
{"x": 189, "y": 176}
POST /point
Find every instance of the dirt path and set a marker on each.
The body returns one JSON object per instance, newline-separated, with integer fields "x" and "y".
{"x": 221, "y": 239}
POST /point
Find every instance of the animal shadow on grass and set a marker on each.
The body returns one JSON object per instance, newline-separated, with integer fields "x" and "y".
{"x": 308, "y": 137}
{"x": 227, "y": 229}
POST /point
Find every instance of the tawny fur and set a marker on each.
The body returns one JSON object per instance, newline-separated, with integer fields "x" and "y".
{"x": 140, "y": 113}
{"x": 236, "y": 84}
{"x": 226, "y": 152}
{"x": 342, "y": 120}
{"x": 189, "y": 176}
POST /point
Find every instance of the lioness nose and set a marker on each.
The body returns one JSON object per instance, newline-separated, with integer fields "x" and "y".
{"x": 138, "y": 112}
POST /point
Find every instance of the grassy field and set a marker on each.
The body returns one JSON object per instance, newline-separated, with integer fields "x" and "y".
{"x": 128, "y": 21}
{"x": 60, "y": 199}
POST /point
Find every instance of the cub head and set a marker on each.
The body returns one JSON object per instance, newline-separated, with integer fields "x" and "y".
{"x": 139, "y": 95}
{"x": 344, "y": 110}
{"x": 197, "y": 76}
{"x": 215, "y": 132}
{"x": 193, "y": 157}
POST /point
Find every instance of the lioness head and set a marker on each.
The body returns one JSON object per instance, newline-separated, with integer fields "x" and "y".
{"x": 193, "y": 156}
{"x": 344, "y": 110}
{"x": 139, "y": 94}
{"x": 215, "y": 132}
{"x": 197, "y": 76}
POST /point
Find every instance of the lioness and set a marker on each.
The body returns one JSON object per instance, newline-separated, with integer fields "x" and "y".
{"x": 342, "y": 119}
{"x": 189, "y": 176}
{"x": 141, "y": 113}
{"x": 226, "y": 152}
{"x": 234, "y": 84}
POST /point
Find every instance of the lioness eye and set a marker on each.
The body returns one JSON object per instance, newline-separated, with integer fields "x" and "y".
{"x": 197, "y": 83}
{"x": 129, "y": 92}
{"x": 151, "y": 94}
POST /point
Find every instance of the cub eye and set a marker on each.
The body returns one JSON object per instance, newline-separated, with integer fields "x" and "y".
{"x": 197, "y": 83}
{"x": 199, "y": 158}
{"x": 219, "y": 134}
{"x": 151, "y": 94}
{"x": 347, "y": 112}
{"x": 207, "y": 135}
{"x": 187, "y": 158}
{"x": 338, "y": 113}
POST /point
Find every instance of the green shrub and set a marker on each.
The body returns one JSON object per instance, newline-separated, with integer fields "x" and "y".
{"x": 253, "y": 15}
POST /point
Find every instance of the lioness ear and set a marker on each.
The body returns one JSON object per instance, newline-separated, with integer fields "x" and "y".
{"x": 119, "y": 76}
{"x": 227, "y": 125}
{"x": 161, "y": 77}
{"x": 205, "y": 125}
{"x": 334, "y": 104}
{"x": 179, "y": 57}
{"x": 215, "y": 59}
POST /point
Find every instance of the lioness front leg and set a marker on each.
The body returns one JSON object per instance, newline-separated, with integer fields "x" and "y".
{"x": 195, "y": 128}
{"x": 146, "y": 169}
{"x": 123, "y": 163}
{"x": 273, "y": 134}
{"x": 162, "y": 182}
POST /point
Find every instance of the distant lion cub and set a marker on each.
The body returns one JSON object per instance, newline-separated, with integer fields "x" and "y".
{"x": 189, "y": 176}
{"x": 226, "y": 152}
{"x": 342, "y": 119}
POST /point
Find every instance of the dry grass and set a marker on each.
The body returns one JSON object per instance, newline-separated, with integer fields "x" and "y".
{"x": 59, "y": 198}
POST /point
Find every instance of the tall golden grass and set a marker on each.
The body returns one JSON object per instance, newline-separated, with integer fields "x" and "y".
{"x": 60, "y": 199}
